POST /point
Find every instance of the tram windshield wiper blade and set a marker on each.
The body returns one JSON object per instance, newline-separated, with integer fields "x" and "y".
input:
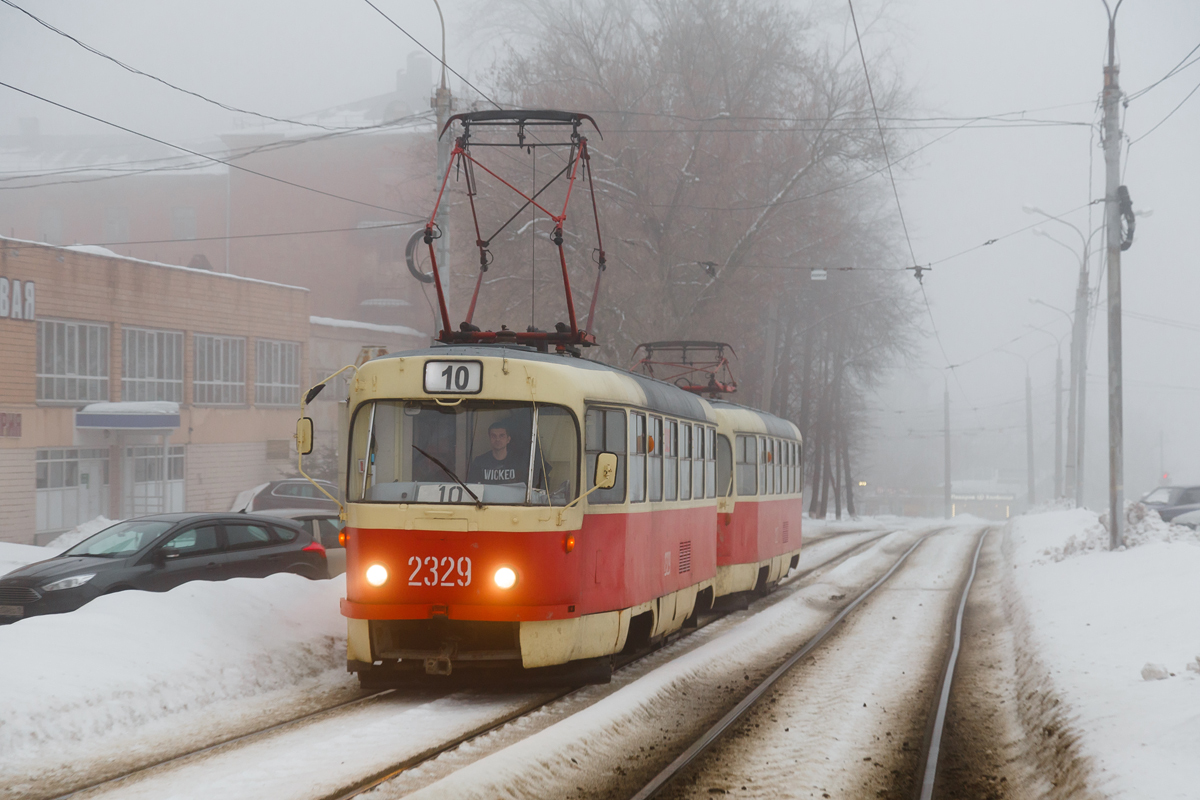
{"x": 450, "y": 472}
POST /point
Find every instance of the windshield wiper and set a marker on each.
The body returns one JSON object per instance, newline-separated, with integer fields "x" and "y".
{"x": 450, "y": 472}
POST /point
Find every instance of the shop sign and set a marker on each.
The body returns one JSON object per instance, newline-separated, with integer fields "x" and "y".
{"x": 10, "y": 425}
{"x": 17, "y": 299}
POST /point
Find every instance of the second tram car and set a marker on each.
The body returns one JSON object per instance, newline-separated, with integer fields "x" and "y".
{"x": 478, "y": 533}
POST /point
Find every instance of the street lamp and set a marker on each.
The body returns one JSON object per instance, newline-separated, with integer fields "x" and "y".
{"x": 1058, "y": 443}
{"x": 1077, "y": 404}
{"x": 1028, "y": 425}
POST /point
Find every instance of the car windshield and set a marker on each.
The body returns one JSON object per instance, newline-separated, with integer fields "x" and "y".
{"x": 121, "y": 540}
{"x": 1159, "y": 495}
{"x": 502, "y": 453}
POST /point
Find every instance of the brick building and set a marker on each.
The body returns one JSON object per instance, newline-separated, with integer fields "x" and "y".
{"x": 129, "y": 387}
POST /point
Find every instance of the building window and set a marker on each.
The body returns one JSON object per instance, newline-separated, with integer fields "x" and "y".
{"x": 72, "y": 487}
{"x": 152, "y": 365}
{"x": 277, "y": 373}
{"x": 116, "y": 225}
{"x": 152, "y": 480}
{"x": 72, "y": 361}
{"x": 220, "y": 370}
{"x": 183, "y": 223}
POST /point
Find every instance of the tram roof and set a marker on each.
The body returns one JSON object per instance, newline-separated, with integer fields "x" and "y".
{"x": 776, "y": 426}
{"x": 660, "y": 395}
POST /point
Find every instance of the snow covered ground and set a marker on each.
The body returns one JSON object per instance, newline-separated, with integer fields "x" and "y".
{"x": 1100, "y": 621}
{"x": 138, "y": 670}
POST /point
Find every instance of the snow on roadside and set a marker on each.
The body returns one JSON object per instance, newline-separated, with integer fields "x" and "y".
{"x": 131, "y": 659}
{"x": 1096, "y": 619}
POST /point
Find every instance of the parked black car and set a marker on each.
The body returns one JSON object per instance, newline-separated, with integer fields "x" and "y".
{"x": 287, "y": 493}
{"x": 158, "y": 553}
{"x": 1171, "y": 501}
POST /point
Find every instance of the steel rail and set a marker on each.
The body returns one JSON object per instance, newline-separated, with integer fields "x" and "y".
{"x": 231, "y": 740}
{"x": 939, "y": 722}
{"x": 716, "y": 731}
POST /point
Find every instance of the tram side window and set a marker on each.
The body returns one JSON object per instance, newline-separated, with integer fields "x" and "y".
{"x": 788, "y": 467}
{"x": 777, "y": 449}
{"x": 795, "y": 468}
{"x": 655, "y": 450}
{"x": 724, "y": 455}
{"x": 637, "y": 457}
{"x": 711, "y": 466}
{"x": 605, "y": 432}
{"x": 670, "y": 459}
{"x": 747, "y": 465}
{"x": 699, "y": 453}
{"x": 763, "y": 454}
{"x": 685, "y": 461}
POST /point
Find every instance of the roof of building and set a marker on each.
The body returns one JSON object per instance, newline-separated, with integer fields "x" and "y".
{"x": 94, "y": 250}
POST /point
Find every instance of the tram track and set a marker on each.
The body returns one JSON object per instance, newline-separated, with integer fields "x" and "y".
{"x": 743, "y": 752}
{"x": 853, "y": 542}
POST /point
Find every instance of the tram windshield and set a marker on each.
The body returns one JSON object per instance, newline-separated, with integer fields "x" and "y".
{"x": 478, "y": 451}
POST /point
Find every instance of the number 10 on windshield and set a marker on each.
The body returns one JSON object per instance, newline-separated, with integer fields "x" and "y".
{"x": 453, "y": 377}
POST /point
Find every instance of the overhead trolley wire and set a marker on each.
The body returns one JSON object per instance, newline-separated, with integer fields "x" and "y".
{"x": 896, "y": 193}
{"x": 168, "y": 84}
{"x": 283, "y": 144}
{"x": 436, "y": 57}
{"x": 198, "y": 154}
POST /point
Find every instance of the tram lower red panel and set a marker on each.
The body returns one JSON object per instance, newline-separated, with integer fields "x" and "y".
{"x": 618, "y": 561}
{"x": 756, "y": 531}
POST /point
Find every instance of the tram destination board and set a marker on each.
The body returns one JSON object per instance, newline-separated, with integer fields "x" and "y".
{"x": 453, "y": 377}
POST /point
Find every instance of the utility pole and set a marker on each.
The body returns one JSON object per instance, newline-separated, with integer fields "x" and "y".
{"x": 1058, "y": 431}
{"x": 946, "y": 404}
{"x": 1029, "y": 435}
{"x": 1079, "y": 345}
{"x": 1112, "y": 221}
{"x": 442, "y": 106}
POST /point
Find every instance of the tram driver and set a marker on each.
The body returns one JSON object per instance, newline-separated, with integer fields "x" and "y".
{"x": 503, "y": 463}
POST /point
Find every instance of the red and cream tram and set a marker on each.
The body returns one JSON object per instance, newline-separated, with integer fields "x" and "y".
{"x": 510, "y": 506}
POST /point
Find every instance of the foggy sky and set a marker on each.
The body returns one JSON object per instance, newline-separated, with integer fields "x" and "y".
{"x": 960, "y": 59}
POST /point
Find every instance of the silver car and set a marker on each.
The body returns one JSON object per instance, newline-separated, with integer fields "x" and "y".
{"x": 324, "y": 526}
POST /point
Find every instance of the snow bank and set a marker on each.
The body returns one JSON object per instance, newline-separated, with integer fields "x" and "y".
{"x": 1096, "y": 619}
{"x": 129, "y": 659}
{"x": 77, "y": 534}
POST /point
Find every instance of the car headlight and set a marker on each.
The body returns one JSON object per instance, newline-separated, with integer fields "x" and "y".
{"x": 505, "y": 577}
{"x": 68, "y": 583}
{"x": 377, "y": 575}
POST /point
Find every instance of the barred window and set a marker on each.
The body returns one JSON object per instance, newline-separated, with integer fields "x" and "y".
{"x": 277, "y": 373}
{"x": 72, "y": 361}
{"x": 220, "y": 370}
{"x": 152, "y": 365}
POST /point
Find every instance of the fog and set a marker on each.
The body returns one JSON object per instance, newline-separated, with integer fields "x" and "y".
{"x": 958, "y": 60}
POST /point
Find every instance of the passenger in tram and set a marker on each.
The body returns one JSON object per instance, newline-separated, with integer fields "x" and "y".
{"x": 503, "y": 463}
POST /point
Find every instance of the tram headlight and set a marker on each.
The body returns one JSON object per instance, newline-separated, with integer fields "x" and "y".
{"x": 377, "y": 575}
{"x": 505, "y": 577}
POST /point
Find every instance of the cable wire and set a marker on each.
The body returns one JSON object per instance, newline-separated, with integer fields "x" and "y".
{"x": 214, "y": 159}
{"x": 167, "y": 83}
{"x": 436, "y": 57}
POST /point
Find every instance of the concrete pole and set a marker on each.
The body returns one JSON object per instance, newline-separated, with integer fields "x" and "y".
{"x": 946, "y": 404}
{"x": 1058, "y": 430}
{"x": 769, "y": 353}
{"x": 1079, "y": 343}
{"x": 1112, "y": 221}
{"x": 1029, "y": 436}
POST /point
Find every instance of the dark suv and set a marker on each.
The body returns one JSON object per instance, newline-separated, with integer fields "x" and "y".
{"x": 1171, "y": 501}
{"x": 158, "y": 553}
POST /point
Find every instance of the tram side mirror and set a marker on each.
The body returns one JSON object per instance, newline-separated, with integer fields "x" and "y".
{"x": 304, "y": 435}
{"x": 606, "y": 470}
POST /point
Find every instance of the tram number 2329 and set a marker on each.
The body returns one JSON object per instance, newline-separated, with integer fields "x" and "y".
{"x": 444, "y": 571}
{"x": 453, "y": 377}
